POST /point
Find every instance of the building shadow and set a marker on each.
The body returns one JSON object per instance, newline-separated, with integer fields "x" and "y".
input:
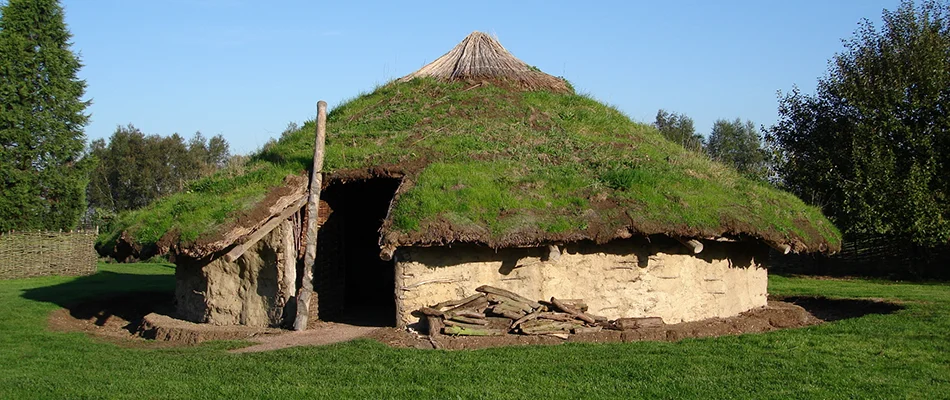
{"x": 106, "y": 294}
{"x": 829, "y": 310}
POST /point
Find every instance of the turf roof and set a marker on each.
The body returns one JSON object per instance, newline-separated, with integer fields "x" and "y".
{"x": 497, "y": 162}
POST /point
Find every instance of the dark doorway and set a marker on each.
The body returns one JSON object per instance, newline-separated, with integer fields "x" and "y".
{"x": 353, "y": 285}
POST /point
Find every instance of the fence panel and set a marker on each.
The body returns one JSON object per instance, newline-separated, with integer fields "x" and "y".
{"x": 31, "y": 254}
{"x": 871, "y": 256}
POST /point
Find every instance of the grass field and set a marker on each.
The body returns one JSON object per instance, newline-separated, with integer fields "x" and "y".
{"x": 900, "y": 355}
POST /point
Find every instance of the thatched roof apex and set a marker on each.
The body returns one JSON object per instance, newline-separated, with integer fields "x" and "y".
{"x": 481, "y": 57}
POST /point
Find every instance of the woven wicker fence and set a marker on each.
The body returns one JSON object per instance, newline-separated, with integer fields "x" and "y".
{"x": 872, "y": 256}
{"x": 29, "y": 254}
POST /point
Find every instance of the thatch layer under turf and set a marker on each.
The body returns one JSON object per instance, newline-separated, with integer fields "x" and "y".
{"x": 485, "y": 162}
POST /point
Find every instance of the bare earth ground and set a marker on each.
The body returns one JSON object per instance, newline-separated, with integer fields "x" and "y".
{"x": 140, "y": 320}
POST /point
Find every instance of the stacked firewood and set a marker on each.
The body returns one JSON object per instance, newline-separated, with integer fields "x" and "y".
{"x": 494, "y": 311}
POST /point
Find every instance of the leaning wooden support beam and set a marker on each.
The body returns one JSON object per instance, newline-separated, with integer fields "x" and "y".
{"x": 259, "y": 234}
{"x": 305, "y": 293}
{"x": 694, "y": 245}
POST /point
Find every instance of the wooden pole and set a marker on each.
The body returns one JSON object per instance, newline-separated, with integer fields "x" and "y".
{"x": 305, "y": 293}
{"x": 780, "y": 247}
{"x": 553, "y": 252}
{"x": 694, "y": 245}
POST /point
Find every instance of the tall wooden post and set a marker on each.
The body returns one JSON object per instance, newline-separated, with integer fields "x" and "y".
{"x": 305, "y": 293}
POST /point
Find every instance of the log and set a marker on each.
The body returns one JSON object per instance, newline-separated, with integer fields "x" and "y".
{"x": 449, "y": 322}
{"x": 694, "y": 245}
{"x": 510, "y": 307}
{"x": 259, "y": 234}
{"x": 467, "y": 320}
{"x": 573, "y": 311}
{"x": 504, "y": 293}
{"x": 587, "y": 329}
{"x": 540, "y": 327}
{"x": 435, "y": 325}
{"x": 431, "y": 312}
{"x": 579, "y": 304}
{"x": 555, "y": 316}
{"x": 453, "y": 303}
{"x": 460, "y": 331}
{"x": 511, "y": 303}
{"x": 780, "y": 247}
{"x": 562, "y": 336}
{"x": 637, "y": 323}
{"x": 598, "y": 318}
{"x": 525, "y": 318}
{"x": 471, "y": 314}
{"x": 313, "y": 210}
{"x": 478, "y": 303}
{"x": 506, "y": 312}
{"x": 386, "y": 253}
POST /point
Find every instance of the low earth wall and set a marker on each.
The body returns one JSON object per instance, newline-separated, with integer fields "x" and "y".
{"x": 257, "y": 289}
{"x": 625, "y": 278}
{"x": 31, "y": 254}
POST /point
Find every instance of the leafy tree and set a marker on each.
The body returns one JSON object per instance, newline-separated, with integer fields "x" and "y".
{"x": 42, "y": 169}
{"x": 740, "y": 145}
{"x": 873, "y": 144}
{"x": 135, "y": 169}
{"x": 678, "y": 128}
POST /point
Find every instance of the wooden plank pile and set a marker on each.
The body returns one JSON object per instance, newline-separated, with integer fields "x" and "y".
{"x": 494, "y": 311}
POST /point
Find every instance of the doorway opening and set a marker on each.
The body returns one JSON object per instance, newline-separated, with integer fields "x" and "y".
{"x": 352, "y": 283}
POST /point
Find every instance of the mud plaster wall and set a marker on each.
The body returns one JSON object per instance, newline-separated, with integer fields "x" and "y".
{"x": 256, "y": 290}
{"x": 616, "y": 280}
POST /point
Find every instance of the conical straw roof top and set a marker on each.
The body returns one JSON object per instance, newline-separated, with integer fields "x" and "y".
{"x": 480, "y": 57}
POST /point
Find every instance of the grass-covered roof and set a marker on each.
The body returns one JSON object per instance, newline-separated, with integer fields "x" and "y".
{"x": 511, "y": 159}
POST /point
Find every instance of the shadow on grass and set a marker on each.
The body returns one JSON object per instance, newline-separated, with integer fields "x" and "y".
{"x": 829, "y": 310}
{"x": 106, "y": 294}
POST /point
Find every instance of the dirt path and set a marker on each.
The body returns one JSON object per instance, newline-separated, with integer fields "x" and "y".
{"x": 323, "y": 334}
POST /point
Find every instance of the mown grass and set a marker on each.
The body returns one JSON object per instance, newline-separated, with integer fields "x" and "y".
{"x": 505, "y": 163}
{"x": 901, "y": 355}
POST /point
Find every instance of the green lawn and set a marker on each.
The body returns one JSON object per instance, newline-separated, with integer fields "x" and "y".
{"x": 901, "y": 355}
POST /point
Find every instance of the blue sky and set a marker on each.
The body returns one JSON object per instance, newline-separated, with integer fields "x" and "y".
{"x": 245, "y": 69}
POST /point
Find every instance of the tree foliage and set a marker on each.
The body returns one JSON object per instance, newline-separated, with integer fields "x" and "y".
{"x": 42, "y": 171}
{"x": 678, "y": 128}
{"x": 740, "y": 145}
{"x": 134, "y": 169}
{"x": 873, "y": 144}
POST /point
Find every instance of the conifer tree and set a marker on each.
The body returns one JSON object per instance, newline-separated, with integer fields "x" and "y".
{"x": 43, "y": 174}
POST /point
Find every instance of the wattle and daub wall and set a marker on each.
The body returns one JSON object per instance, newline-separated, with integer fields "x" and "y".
{"x": 255, "y": 290}
{"x": 626, "y": 278}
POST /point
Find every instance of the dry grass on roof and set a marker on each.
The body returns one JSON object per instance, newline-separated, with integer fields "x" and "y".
{"x": 481, "y": 57}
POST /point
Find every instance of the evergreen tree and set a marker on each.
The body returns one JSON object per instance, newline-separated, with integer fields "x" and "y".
{"x": 42, "y": 171}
